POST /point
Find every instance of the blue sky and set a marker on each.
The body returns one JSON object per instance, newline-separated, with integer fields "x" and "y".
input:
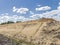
{"x": 7, "y": 5}
{"x": 28, "y": 9}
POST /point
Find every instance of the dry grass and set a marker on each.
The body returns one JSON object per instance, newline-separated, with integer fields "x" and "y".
{"x": 40, "y": 32}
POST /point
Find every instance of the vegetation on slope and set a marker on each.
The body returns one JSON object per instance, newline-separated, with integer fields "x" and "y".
{"x": 9, "y": 22}
{"x": 39, "y": 32}
{"x": 4, "y": 40}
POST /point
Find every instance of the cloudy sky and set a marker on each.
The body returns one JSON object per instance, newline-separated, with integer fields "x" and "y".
{"x": 23, "y": 10}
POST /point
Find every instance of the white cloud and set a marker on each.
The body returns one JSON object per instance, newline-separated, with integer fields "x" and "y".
{"x": 43, "y": 8}
{"x": 6, "y": 17}
{"x": 31, "y": 12}
{"x": 38, "y": 5}
{"x": 58, "y": 7}
{"x": 14, "y": 9}
{"x": 14, "y": 18}
{"x": 20, "y": 10}
{"x": 59, "y": 3}
{"x": 55, "y": 14}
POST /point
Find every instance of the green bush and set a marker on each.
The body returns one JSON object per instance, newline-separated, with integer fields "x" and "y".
{"x": 9, "y": 22}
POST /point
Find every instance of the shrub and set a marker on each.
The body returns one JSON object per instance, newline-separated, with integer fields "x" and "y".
{"x": 9, "y": 22}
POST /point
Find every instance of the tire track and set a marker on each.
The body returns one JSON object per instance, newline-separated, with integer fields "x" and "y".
{"x": 21, "y": 29}
{"x": 37, "y": 29}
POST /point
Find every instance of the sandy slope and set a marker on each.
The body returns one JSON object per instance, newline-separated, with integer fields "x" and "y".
{"x": 40, "y": 32}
